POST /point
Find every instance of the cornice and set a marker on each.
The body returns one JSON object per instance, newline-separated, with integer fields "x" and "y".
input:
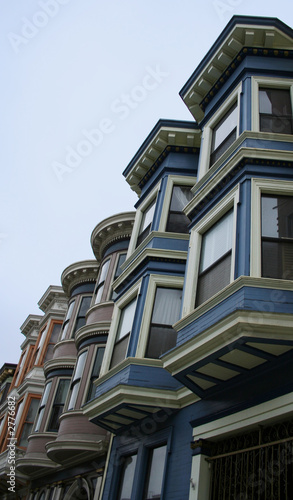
{"x": 31, "y": 323}
{"x": 78, "y": 273}
{"x": 93, "y": 330}
{"x": 166, "y": 136}
{"x": 7, "y": 371}
{"x": 242, "y": 36}
{"x": 111, "y": 230}
{"x": 51, "y": 295}
{"x": 59, "y": 364}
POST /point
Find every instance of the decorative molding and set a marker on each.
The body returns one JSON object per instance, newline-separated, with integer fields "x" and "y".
{"x": 111, "y": 230}
{"x": 80, "y": 272}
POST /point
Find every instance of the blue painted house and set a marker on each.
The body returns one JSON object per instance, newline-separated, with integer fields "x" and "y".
{"x": 196, "y": 382}
{"x": 172, "y": 376}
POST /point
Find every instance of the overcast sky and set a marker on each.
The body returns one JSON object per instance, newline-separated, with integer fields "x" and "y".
{"x": 74, "y": 70}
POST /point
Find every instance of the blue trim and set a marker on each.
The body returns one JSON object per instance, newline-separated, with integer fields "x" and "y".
{"x": 151, "y": 377}
{"x": 246, "y": 299}
{"x": 116, "y": 247}
{"x": 84, "y": 288}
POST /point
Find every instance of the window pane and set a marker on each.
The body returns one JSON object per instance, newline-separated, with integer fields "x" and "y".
{"x": 275, "y": 111}
{"x": 127, "y": 478}
{"x": 161, "y": 340}
{"x": 147, "y": 216}
{"x": 225, "y": 127}
{"x": 119, "y": 352}
{"x": 99, "y": 294}
{"x": 54, "y": 420}
{"x": 121, "y": 260}
{"x": 49, "y": 352}
{"x": 61, "y": 391}
{"x": 33, "y": 408}
{"x": 277, "y": 260}
{"x": 95, "y": 372}
{"x": 126, "y": 319}
{"x": 80, "y": 365}
{"x": 55, "y": 333}
{"x": 216, "y": 241}
{"x": 156, "y": 473}
{"x": 46, "y": 394}
{"x": 181, "y": 195}
{"x": 214, "y": 280}
{"x": 277, "y": 216}
{"x": 39, "y": 420}
{"x": 73, "y": 396}
{"x": 167, "y": 306}
{"x": 70, "y": 309}
{"x": 26, "y": 431}
{"x": 84, "y": 306}
{"x": 104, "y": 271}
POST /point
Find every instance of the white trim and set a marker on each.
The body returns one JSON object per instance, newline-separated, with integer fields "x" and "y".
{"x": 191, "y": 275}
{"x": 268, "y": 82}
{"x": 208, "y": 129}
{"x": 155, "y": 281}
{"x": 259, "y": 186}
{"x": 263, "y": 413}
{"x": 118, "y": 306}
{"x": 138, "y": 218}
{"x": 173, "y": 180}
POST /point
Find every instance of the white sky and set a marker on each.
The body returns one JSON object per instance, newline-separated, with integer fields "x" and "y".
{"x": 63, "y": 75}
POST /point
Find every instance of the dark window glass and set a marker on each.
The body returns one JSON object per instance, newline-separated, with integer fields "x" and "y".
{"x": 67, "y": 319}
{"x": 101, "y": 282}
{"x": 166, "y": 311}
{"x": 28, "y": 423}
{"x": 275, "y": 111}
{"x": 177, "y": 220}
{"x": 95, "y": 372}
{"x": 42, "y": 405}
{"x": 118, "y": 271}
{"x": 123, "y": 332}
{"x": 224, "y": 134}
{"x": 155, "y": 473}
{"x": 277, "y": 236}
{"x": 146, "y": 223}
{"x": 215, "y": 259}
{"x": 80, "y": 319}
{"x": 127, "y": 476}
{"x": 58, "y": 405}
{"x": 52, "y": 341}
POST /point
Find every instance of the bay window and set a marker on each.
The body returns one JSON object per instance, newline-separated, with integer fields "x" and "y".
{"x": 28, "y": 422}
{"x": 118, "y": 271}
{"x": 67, "y": 319}
{"x": 166, "y": 311}
{"x": 83, "y": 308}
{"x": 215, "y": 260}
{"x": 277, "y": 236}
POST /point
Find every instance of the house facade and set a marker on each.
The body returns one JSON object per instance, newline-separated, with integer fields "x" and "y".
{"x": 171, "y": 374}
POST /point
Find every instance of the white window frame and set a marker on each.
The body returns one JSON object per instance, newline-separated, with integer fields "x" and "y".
{"x": 118, "y": 307}
{"x": 138, "y": 218}
{"x": 156, "y": 280}
{"x": 259, "y": 187}
{"x": 207, "y": 135}
{"x": 73, "y": 383}
{"x": 173, "y": 180}
{"x": 267, "y": 82}
{"x": 192, "y": 268}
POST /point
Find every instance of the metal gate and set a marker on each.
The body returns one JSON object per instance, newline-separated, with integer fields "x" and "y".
{"x": 254, "y": 466}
